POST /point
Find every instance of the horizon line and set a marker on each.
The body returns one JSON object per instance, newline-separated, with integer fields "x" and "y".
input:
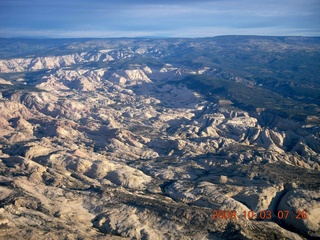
{"x": 155, "y": 37}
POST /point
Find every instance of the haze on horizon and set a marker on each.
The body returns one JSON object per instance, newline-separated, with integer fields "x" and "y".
{"x": 175, "y": 18}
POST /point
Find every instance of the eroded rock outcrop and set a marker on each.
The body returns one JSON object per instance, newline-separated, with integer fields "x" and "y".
{"x": 94, "y": 150}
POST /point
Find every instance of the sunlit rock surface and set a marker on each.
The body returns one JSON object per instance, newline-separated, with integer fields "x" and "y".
{"x": 103, "y": 143}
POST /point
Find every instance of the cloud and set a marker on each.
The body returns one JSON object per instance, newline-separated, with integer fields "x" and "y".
{"x": 169, "y": 18}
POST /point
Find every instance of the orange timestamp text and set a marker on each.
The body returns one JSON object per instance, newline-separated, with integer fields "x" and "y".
{"x": 262, "y": 215}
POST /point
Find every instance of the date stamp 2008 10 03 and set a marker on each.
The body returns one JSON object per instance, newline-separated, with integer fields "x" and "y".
{"x": 262, "y": 215}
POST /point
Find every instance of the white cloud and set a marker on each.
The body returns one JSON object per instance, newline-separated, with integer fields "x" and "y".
{"x": 98, "y": 18}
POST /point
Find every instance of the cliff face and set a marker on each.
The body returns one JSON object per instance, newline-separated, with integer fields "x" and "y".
{"x": 119, "y": 143}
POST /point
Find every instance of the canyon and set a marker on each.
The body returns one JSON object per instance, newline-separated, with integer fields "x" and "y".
{"x": 146, "y": 138}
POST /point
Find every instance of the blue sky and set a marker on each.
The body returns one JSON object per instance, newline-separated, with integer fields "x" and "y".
{"x": 166, "y": 18}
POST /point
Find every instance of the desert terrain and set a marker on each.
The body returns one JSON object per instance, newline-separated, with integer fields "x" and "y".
{"x": 214, "y": 138}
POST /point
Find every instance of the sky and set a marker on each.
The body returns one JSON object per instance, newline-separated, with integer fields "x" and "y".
{"x": 156, "y": 18}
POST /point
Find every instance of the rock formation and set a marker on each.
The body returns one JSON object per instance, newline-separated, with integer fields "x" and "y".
{"x": 94, "y": 148}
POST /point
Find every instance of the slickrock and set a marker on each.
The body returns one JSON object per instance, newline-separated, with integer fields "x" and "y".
{"x": 112, "y": 140}
{"x": 304, "y": 210}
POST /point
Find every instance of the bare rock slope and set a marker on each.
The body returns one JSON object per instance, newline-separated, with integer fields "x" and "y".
{"x": 127, "y": 151}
